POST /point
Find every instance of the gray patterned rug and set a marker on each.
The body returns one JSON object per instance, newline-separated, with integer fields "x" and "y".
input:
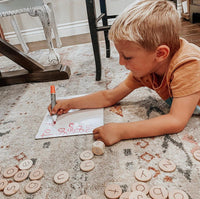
{"x": 23, "y": 107}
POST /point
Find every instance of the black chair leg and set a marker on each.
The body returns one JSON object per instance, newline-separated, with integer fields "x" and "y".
{"x": 107, "y": 44}
{"x": 91, "y": 12}
{"x": 105, "y": 23}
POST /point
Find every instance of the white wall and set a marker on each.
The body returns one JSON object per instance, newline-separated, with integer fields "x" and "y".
{"x": 71, "y": 19}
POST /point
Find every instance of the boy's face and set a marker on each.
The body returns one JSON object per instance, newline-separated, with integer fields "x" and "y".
{"x": 136, "y": 58}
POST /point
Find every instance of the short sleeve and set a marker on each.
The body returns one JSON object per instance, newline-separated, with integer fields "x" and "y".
{"x": 132, "y": 82}
{"x": 186, "y": 79}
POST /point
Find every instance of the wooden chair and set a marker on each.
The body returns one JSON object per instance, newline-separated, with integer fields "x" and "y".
{"x": 32, "y": 71}
{"x": 37, "y": 8}
{"x": 94, "y": 28}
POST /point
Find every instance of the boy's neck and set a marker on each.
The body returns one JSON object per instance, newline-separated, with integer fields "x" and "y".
{"x": 163, "y": 67}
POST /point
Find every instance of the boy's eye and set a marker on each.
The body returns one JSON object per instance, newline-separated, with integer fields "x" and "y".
{"x": 127, "y": 58}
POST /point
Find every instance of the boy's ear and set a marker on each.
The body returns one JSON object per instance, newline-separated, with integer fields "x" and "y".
{"x": 162, "y": 53}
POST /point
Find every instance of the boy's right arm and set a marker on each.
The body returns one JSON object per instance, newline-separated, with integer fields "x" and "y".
{"x": 98, "y": 99}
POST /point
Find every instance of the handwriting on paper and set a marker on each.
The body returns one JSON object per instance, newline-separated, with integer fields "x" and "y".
{"x": 76, "y": 122}
{"x": 72, "y": 129}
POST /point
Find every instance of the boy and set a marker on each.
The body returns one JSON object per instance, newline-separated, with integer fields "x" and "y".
{"x": 146, "y": 36}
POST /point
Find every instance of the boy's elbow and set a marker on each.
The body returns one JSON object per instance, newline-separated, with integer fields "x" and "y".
{"x": 178, "y": 125}
{"x": 109, "y": 100}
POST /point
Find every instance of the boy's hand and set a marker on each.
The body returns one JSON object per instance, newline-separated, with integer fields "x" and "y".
{"x": 61, "y": 107}
{"x": 109, "y": 134}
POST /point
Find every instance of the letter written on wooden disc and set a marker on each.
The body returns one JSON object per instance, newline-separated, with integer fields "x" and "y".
{"x": 167, "y": 165}
{"x": 36, "y": 174}
{"x": 158, "y": 192}
{"x": 87, "y": 165}
{"x": 176, "y": 194}
{"x": 86, "y": 155}
{"x": 11, "y": 189}
{"x": 3, "y": 184}
{"x": 61, "y": 177}
{"x": 113, "y": 191}
{"x": 196, "y": 154}
{"x": 33, "y": 186}
{"x": 140, "y": 186}
{"x": 143, "y": 175}
{"x": 125, "y": 195}
{"x": 21, "y": 175}
{"x": 10, "y": 172}
{"x": 138, "y": 194}
{"x": 26, "y": 164}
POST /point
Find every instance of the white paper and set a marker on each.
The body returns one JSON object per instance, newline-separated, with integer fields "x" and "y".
{"x": 75, "y": 122}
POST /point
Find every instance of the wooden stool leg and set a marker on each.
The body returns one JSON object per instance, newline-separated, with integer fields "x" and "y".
{"x": 32, "y": 72}
{"x": 105, "y": 23}
{"x": 91, "y": 12}
{"x": 54, "y": 27}
{"x": 43, "y": 12}
{"x": 18, "y": 33}
{"x": 2, "y": 33}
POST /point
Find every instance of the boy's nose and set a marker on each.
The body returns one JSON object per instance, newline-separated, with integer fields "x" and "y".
{"x": 122, "y": 61}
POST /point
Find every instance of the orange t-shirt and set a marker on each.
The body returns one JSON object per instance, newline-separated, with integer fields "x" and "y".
{"x": 181, "y": 79}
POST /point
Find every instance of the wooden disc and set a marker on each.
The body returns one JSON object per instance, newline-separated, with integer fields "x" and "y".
{"x": 21, "y": 175}
{"x": 98, "y": 147}
{"x": 87, "y": 165}
{"x": 3, "y": 184}
{"x": 11, "y": 189}
{"x": 26, "y": 164}
{"x": 140, "y": 186}
{"x": 86, "y": 155}
{"x": 61, "y": 177}
{"x": 36, "y": 174}
{"x": 196, "y": 154}
{"x": 138, "y": 194}
{"x": 176, "y": 194}
{"x": 113, "y": 191}
{"x": 167, "y": 165}
{"x": 84, "y": 197}
{"x": 33, "y": 186}
{"x": 10, "y": 172}
{"x": 125, "y": 195}
{"x": 143, "y": 175}
{"x": 158, "y": 192}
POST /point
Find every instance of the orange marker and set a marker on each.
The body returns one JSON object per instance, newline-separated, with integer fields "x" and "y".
{"x": 53, "y": 102}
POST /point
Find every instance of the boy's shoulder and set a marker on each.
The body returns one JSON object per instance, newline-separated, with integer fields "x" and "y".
{"x": 184, "y": 70}
{"x": 187, "y": 52}
{"x": 185, "y": 62}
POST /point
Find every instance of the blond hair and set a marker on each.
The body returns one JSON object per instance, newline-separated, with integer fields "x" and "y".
{"x": 149, "y": 23}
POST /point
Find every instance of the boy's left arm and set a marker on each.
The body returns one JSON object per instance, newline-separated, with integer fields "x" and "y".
{"x": 175, "y": 121}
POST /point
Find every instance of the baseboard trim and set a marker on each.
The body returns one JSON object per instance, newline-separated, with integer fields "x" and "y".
{"x": 37, "y": 34}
